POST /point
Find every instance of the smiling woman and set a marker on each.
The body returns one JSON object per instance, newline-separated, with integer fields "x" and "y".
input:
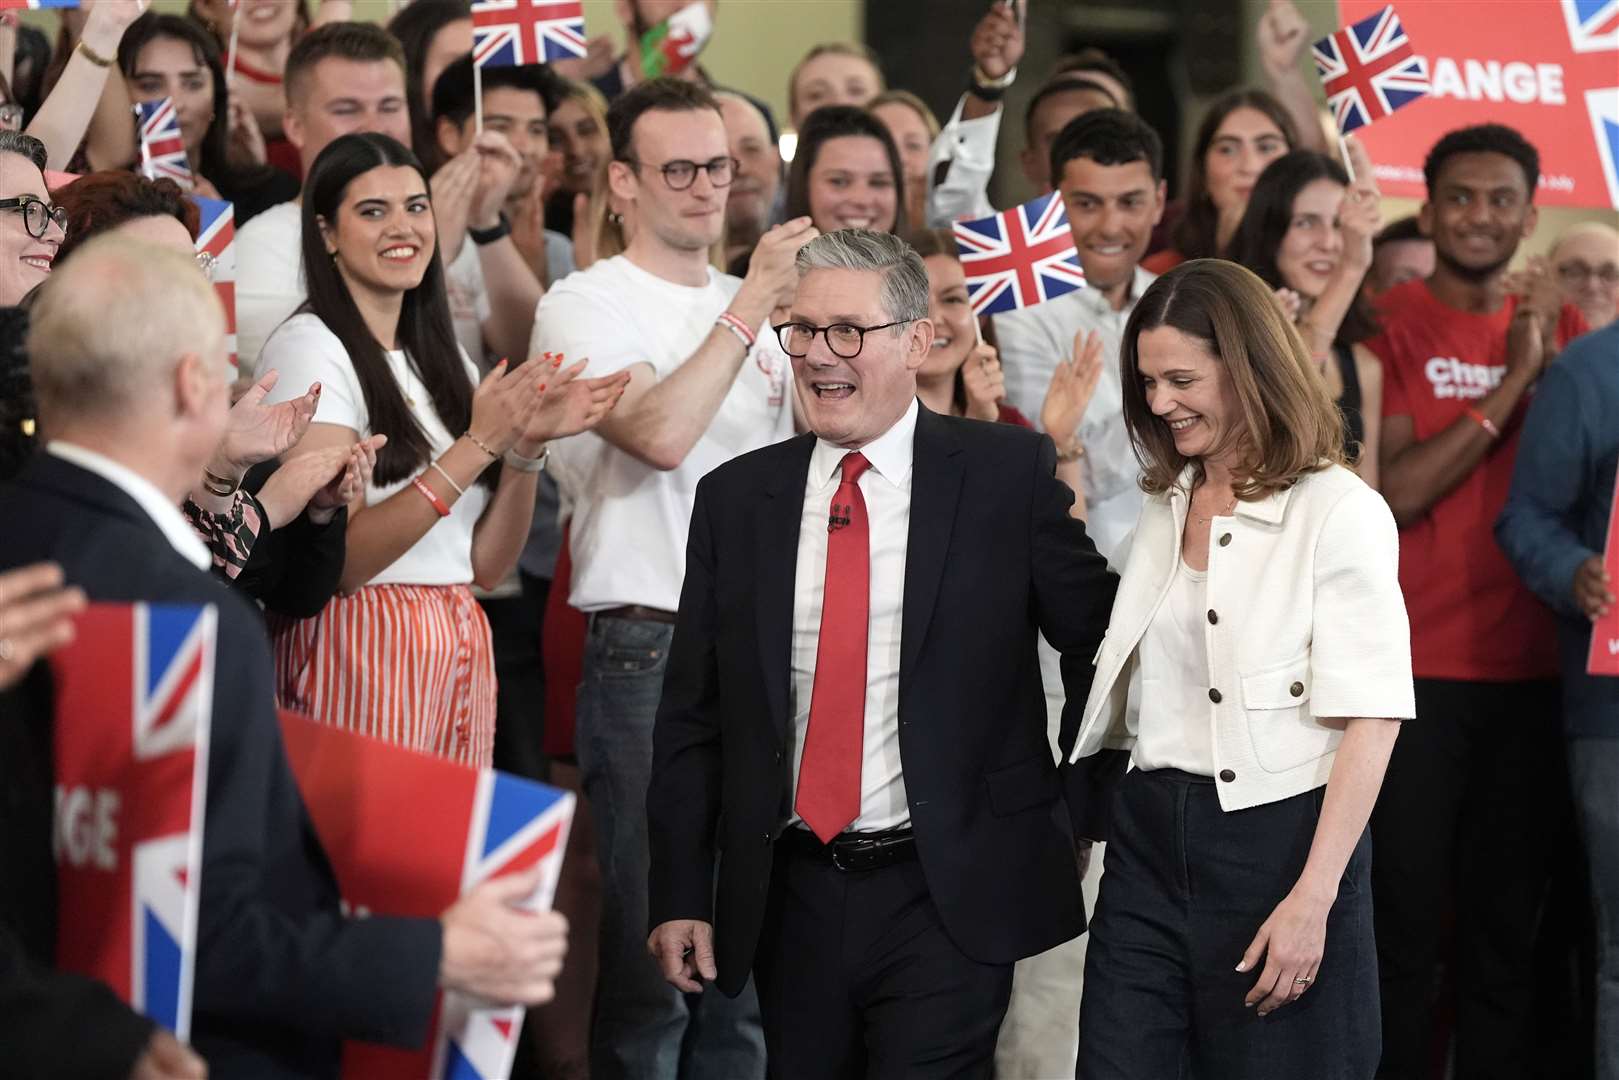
{"x": 847, "y": 173}
{"x": 30, "y": 231}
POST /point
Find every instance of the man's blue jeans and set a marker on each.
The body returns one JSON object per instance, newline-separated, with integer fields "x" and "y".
{"x": 1593, "y": 767}
{"x": 643, "y": 1028}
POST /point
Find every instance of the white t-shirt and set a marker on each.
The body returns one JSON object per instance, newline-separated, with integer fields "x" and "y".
{"x": 630, "y": 521}
{"x": 269, "y": 278}
{"x": 303, "y": 350}
{"x": 469, "y": 299}
{"x": 1173, "y": 729}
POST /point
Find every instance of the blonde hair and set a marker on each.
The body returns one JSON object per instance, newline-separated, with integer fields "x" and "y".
{"x": 114, "y": 321}
{"x": 831, "y": 48}
{"x": 1290, "y": 425}
{"x": 912, "y": 102}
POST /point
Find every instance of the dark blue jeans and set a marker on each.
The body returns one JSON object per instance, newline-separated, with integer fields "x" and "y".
{"x": 1593, "y": 766}
{"x": 1185, "y": 886}
{"x": 643, "y": 1028}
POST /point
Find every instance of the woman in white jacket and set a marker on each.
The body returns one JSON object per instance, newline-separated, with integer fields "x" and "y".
{"x": 1233, "y": 934}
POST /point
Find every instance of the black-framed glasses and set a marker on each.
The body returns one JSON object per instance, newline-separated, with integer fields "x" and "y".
{"x": 37, "y": 215}
{"x": 682, "y": 174}
{"x": 844, "y": 339}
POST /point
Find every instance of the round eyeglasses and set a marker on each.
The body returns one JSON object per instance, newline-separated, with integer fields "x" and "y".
{"x": 682, "y": 174}
{"x": 37, "y": 215}
{"x": 844, "y": 339}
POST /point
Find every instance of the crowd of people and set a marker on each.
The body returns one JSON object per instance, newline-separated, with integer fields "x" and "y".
{"x": 573, "y": 431}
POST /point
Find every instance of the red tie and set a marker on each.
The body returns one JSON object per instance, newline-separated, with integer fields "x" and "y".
{"x": 829, "y": 774}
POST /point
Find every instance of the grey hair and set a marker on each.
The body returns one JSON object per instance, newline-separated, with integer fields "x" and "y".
{"x": 15, "y": 142}
{"x": 904, "y": 293}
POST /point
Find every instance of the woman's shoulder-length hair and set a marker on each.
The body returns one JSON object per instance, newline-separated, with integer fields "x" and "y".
{"x": 1289, "y": 425}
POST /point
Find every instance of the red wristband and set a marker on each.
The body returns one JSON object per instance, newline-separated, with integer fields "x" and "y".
{"x": 1484, "y": 422}
{"x": 431, "y": 496}
{"x": 742, "y": 330}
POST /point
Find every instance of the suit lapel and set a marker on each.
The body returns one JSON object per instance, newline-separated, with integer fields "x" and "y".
{"x": 936, "y": 472}
{"x": 780, "y": 514}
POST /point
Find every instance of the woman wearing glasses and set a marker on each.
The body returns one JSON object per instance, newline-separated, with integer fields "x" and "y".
{"x": 403, "y": 652}
{"x": 31, "y": 229}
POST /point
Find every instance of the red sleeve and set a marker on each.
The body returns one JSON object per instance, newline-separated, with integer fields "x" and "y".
{"x": 1010, "y": 415}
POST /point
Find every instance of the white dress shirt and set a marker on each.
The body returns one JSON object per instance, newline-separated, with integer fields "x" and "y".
{"x": 968, "y": 147}
{"x": 163, "y": 512}
{"x": 1172, "y": 731}
{"x": 886, "y": 488}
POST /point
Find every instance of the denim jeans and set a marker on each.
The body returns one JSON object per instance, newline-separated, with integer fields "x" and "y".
{"x": 1185, "y": 887}
{"x": 643, "y": 1028}
{"x": 1593, "y": 767}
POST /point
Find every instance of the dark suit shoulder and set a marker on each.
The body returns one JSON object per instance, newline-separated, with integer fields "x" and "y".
{"x": 760, "y": 466}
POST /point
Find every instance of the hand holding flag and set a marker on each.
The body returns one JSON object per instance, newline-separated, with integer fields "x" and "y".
{"x": 672, "y": 46}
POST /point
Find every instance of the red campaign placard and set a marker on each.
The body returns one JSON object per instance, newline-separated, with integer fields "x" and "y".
{"x": 406, "y": 834}
{"x": 1604, "y": 657}
{"x": 1549, "y": 68}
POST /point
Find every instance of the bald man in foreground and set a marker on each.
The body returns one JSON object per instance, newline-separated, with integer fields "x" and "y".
{"x": 127, "y": 353}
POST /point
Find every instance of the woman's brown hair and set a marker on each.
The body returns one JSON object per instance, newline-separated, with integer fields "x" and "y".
{"x": 1290, "y": 426}
{"x": 1195, "y": 234}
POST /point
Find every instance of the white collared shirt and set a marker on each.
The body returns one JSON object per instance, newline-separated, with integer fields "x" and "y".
{"x": 164, "y": 513}
{"x": 886, "y": 488}
{"x": 1032, "y": 342}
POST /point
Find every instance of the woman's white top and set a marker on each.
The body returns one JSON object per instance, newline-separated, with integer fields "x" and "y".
{"x": 1304, "y": 625}
{"x": 1173, "y": 729}
{"x": 304, "y": 351}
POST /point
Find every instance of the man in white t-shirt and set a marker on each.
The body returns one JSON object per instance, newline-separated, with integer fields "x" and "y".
{"x": 709, "y": 383}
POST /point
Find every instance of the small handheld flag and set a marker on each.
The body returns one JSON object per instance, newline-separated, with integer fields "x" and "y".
{"x": 510, "y": 33}
{"x": 36, "y": 5}
{"x": 1019, "y": 257}
{"x": 671, "y": 47}
{"x": 163, "y": 151}
{"x": 1369, "y": 69}
{"x": 216, "y": 251}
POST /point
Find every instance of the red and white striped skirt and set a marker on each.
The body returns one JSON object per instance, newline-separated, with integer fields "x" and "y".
{"x": 412, "y": 664}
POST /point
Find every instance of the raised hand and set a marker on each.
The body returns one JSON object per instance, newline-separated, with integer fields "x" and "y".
{"x": 498, "y": 166}
{"x": 245, "y": 142}
{"x": 1361, "y": 214}
{"x": 984, "y": 381}
{"x": 258, "y": 432}
{"x": 1073, "y": 385}
{"x": 569, "y": 404}
{"x": 1290, "y": 303}
{"x": 453, "y": 187}
{"x": 997, "y": 41}
{"x": 505, "y": 402}
{"x": 106, "y": 20}
{"x": 36, "y": 616}
{"x": 1283, "y": 33}
{"x": 772, "y": 274}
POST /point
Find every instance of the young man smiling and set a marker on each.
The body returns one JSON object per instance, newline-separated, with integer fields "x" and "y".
{"x": 1107, "y": 166}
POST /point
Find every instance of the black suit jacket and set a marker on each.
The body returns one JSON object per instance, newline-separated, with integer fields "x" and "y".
{"x": 993, "y": 557}
{"x": 281, "y": 976}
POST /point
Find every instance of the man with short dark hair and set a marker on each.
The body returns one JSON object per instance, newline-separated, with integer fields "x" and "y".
{"x": 852, "y": 734}
{"x": 709, "y": 382}
{"x": 1479, "y": 771}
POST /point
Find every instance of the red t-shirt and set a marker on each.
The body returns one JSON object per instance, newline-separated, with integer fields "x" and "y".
{"x": 1471, "y": 618}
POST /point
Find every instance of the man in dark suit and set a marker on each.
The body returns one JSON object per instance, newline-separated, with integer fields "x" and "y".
{"x": 853, "y": 726}
{"x": 132, "y": 405}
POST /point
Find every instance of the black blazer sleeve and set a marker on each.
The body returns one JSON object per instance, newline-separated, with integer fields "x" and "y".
{"x": 295, "y": 569}
{"x": 1073, "y": 592}
{"x": 61, "y": 1025}
{"x": 372, "y": 979}
{"x": 683, "y": 800}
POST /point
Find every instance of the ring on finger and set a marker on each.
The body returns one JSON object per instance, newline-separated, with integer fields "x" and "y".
{"x": 1303, "y": 980}
{"x": 8, "y": 651}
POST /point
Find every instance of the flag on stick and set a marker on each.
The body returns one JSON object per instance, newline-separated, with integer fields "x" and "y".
{"x": 163, "y": 150}
{"x": 1019, "y": 257}
{"x": 672, "y": 46}
{"x": 1369, "y": 69}
{"x": 510, "y": 33}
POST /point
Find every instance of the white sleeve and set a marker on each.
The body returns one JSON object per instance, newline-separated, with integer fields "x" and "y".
{"x": 967, "y": 147}
{"x": 269, "y": 287}
{"x": 1029, "y": 356}
{"x": 584, "y": 326}
{"x": 1360, "y": 652}
{"x": 303, "y": 351}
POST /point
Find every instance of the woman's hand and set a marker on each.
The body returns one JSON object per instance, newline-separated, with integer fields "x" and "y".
{"x": 1361, "y": 215}
{"x": 505, "y": 402}
{"x": 1291, "y": 942}
{"x": 245, "y": 143}
{"x": 1072, "y": 386}
{"x": 984, "y": 382}
{"x": 570, "y": 404}
{"x": 1283, "y": 34}
{"x": 453, "y": 187}
{"x": 258, "y": 432}
{"x": 319, "y": 482}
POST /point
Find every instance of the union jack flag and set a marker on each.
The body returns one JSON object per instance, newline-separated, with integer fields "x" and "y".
{"x": 216, "y": 253}
{"x": 36, "y": 5}
{"x": 134, "y": 702}
{"x": 1369, "y": 69}
{"x": 1593, "y": 25}
{"x": 418, "y": 832}
{"x": 163, "y": 151}
{"x": 510, "y": 33}
{"x": 1019, "y": 257}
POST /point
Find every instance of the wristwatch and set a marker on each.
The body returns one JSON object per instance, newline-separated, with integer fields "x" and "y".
{"x": 481, "y": 237}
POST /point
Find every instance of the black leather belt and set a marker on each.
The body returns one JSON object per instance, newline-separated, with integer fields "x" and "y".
{"x": 636, "y": 611}
{"x": 852, "y": 850}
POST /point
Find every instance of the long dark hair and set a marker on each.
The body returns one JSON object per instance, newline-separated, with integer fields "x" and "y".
{"x": 833, "y": 122}
{"x": 1269, "y": 216}
{"x": 215, "y": 161}
{"x": 416, "y": 25}
{"x": 426, "y": 333}
{"x": 1197, "y": 234}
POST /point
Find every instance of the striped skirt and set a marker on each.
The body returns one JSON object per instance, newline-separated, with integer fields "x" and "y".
{"x": 412, "y": 664}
